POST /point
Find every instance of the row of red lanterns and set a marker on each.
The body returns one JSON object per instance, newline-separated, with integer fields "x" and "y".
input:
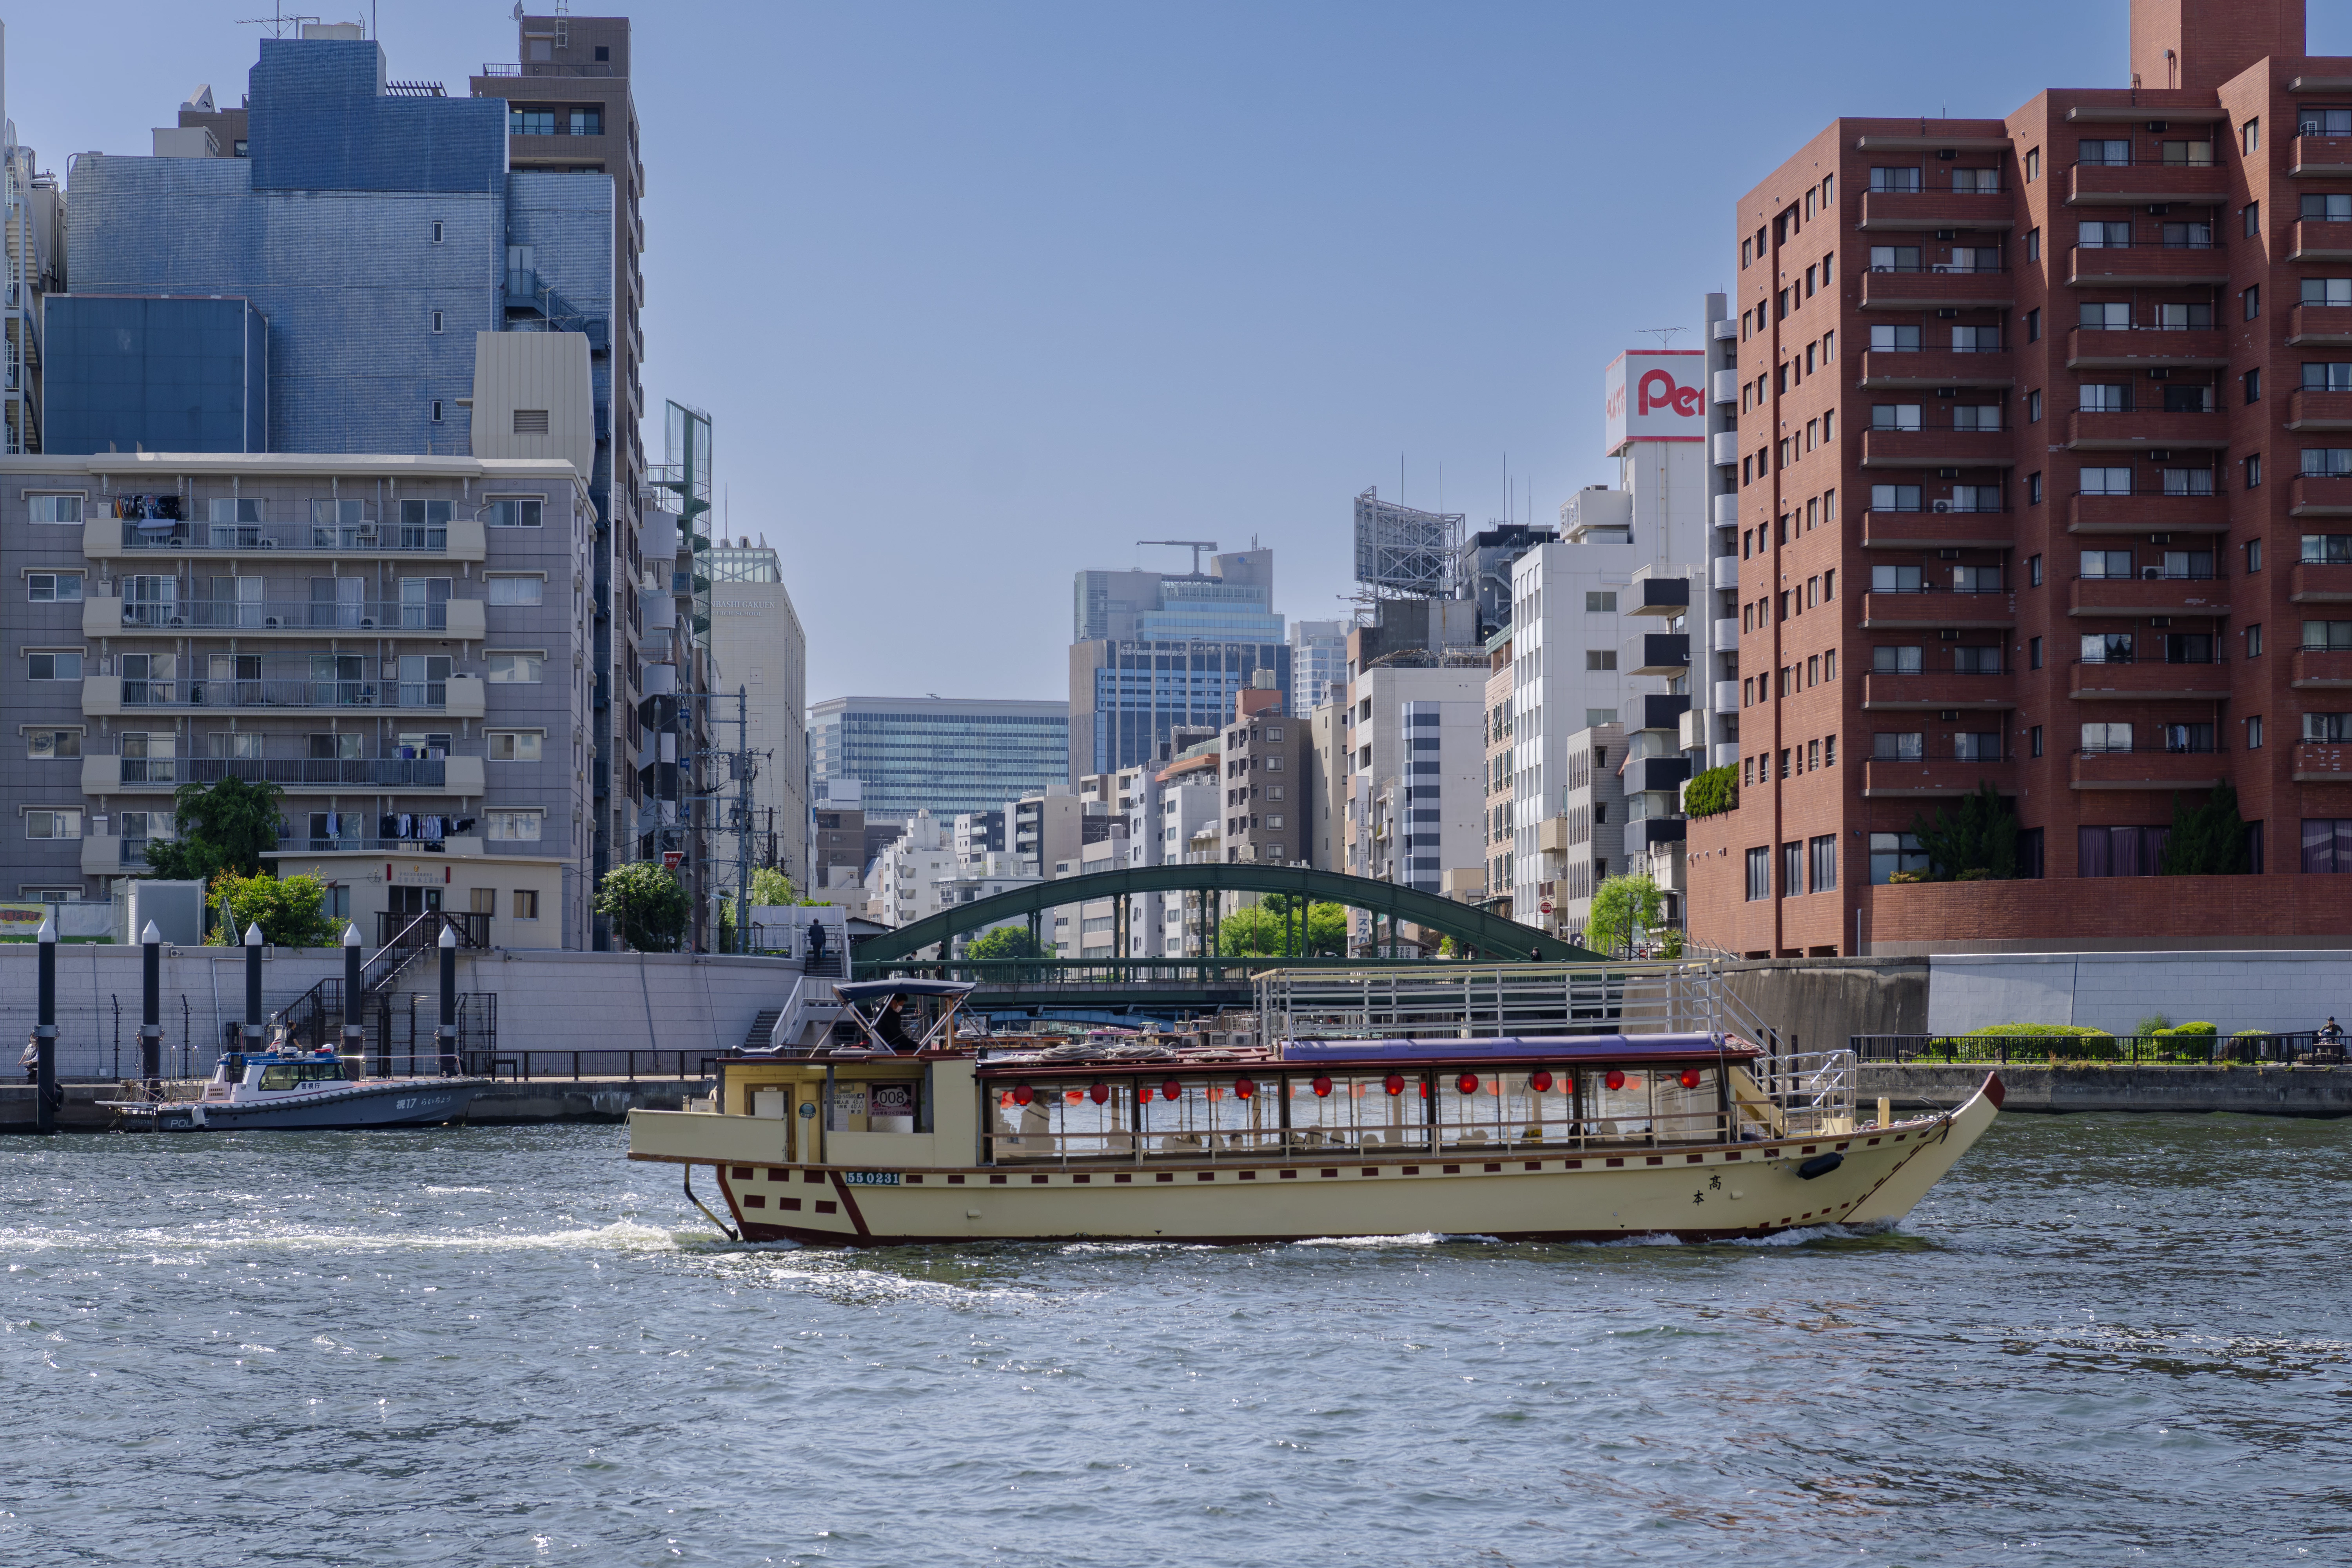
{"x": 1540, "y": 1081}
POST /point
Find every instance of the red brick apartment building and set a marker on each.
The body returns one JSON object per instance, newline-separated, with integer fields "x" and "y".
{"x": 2044, "y": 456}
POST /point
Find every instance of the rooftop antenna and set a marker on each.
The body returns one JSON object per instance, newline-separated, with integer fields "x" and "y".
{"x": 278, "y": 24}
{"x": 1665, "y": 335}
{"x": 1195, "y": 545}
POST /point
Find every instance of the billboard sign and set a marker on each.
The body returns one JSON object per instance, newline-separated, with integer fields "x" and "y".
{"x": 1655, "y": 395}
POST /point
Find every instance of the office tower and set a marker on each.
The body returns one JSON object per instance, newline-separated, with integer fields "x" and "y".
{"x": 2039, "y": 460}
{"x": 763, "y": 651}
{"x": 944, "y": 755}
{"x": 217, "y": 588}
{"x": 1483, "y": 568}
{"x": 1319, "y": 660}
{"x": 1150, "y": 651}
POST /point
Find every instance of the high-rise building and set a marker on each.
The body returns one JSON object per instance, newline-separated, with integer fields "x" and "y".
{"x": 1319, "y": 660}
{"x": 2041, "y": 480}
{"x": 762, "y": 650}
{"x": 944, "y": 755}
{"x": 1483, "y": 569}
{"x": 1151, "y": 651}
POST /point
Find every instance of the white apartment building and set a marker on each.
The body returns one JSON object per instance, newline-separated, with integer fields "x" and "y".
{"x": 1580, "y": 846}
{"x": 909, "y": 877}
{"x": 1416, "y": 793}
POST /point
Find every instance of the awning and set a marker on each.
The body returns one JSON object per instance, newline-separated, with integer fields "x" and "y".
{"x": 867, "y": 990}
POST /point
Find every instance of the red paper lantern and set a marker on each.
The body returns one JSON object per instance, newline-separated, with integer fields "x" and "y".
{"x": 1171, "y": 1090}
{"x": 1099, "y": 1094}
{"x": 1322, "y": 1088}
{"x": 1022, "y": 1094}
{"x": 1005, "y": 1098}
{"x": 1467, "y": 1083}
{"x": 1540, "y": 1081}
{"x": 1616, "y": 1079}
{"x": 1074, "y": 1095}
{"x": 1690, "y": 1077}
{"x": 1244, "y": 1088}
{"x": 1394, "y": 1083}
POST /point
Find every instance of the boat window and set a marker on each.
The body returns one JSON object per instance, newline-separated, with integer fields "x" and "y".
{"x": 883, "y": 1105}
{"x": 288, "y": 1075}
{"x": 1665, "y": 1105}
{"x": 278, "y": 1078}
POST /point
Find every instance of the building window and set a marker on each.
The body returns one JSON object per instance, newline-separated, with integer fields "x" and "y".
{"x": 1759, "y": 874}
{"x": 1822, "y": 854}
{"x": 530, "y": 121}
{"x": 2034, "y": 489}
{"x": 2252, "y": 215}
{"x": 2254, "y": 639}
{"x": 436, "y": 231}
{"x": 55, "y": 507}
{"x": 526, "y": 904}
{"x": 53, "y": 666}
{"x": 2034, "y": 653}
{"x": 1599, "y": 603}
{"x": 48, "y": 746}
{"x": 53, "y": 825}
{"x": 512, "y": 745}
{"x": 2253, "y": 470}
{"x": 2254, "y": 733}
{"x": 2253, "y": 299}
{"x": 530, "y": 421}
{"x": 587, "y": 123}
{"x": 515, "y": 588}
{"x": 53, "y": 587}
{"x": 2249, "y": 136}
{"x": 2032, "y": 245}
{"x": 1892, "y": 852}
{"x": 1910, "y": 746}
{"x": 2033, "y": 326}
{"x": 240, "y": 148}
{"x": 436, "y": 320}
{"x": 513, "y": 827}
{"x": 2033, "y": 408}
{"x": 2033, "y": 164}
{"x": 436, "y": 411}
{"x": 2254, "y": 556}
{"x": 2034, "y": 571}
{"x": 1599, "y": 659}
{"x": 523, "y": 668}
{"x": 2033, "y": 735}
{"x": 513, "y": 512}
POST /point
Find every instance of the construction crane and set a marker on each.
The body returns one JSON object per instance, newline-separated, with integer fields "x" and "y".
{"x": 1195, "y": 545}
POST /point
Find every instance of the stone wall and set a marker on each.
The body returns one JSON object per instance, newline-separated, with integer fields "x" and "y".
{"x": 1818, "y": 1004}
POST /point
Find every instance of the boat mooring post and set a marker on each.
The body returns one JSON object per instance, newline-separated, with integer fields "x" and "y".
{"x": 354, "y": 1031}
{"x": 151, "y": 1008}
{"x": 44, "y": 1030}
{"x": 253, "y": 988}
{"x": 445, "y": 1036}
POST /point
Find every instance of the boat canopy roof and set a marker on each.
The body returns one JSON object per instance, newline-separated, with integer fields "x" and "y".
{"x": 867, "y": 990}
{"x": 1552, "y": 1047}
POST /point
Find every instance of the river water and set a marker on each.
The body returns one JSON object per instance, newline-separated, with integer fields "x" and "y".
{"x": 2100, "y": 1341}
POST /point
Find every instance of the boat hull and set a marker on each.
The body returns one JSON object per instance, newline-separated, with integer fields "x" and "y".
{"x": 404, "y": 1103}
{"x": 1874, "y": 1176}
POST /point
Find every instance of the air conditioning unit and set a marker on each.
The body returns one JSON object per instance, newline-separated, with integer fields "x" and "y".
{"x": 2151, "y": 574}
{"x": 366, "y": 623}
{"x": 271, "y": 621}
{"x": 2160, "y": 126}
{"x": 2308, "y": 128}
{"x": 177, "y": 621}
{"x": 1939, "y": 506}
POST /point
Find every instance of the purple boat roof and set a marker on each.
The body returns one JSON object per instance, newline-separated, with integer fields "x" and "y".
{"x": 1556, "y": 1047}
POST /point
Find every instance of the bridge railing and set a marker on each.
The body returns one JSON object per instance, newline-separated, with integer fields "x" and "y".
{"x": 1034, "y": 972}
{"x": 1470, "y": 1000}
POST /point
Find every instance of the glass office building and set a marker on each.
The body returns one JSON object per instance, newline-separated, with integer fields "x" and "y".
{"x": 943, "y": 755}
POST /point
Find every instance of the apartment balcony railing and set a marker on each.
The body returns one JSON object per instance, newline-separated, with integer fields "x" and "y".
{"x": 2152, "y": 767}
{"x": 1939, "y": 607}
{"x": 2317, "y": 155}
{"x": 2146, "y": 510}
{"x": 448, "y": 619}
{"x": 460, "y": 697}
{"x": 2155, "y": 592}
{"x": 2146, "y": 180}
{"x": 1941, "y": 527}
{"x": 1929, "y": 287}
{"x": 2316, "y": 239}
{"x": 1898, "y": 211}
{"x": 1899, "y": 691}
{"x": 1921, "y": 370}
{"x": 549, "y": 69}
{"x": 106, "y": 538}
{"x": 1937, "y": 447}
{"x": 2318, "y": 408}
{"x": 2320, "y": 495}
{"x": 2133, "y": 429}
{"x": 301, "y": 773}
{"x": 2320, "y": 583}
{"x": 1925, "y": 777}
{"x": 2148, "y": 347}
{"x": 2155, "y": 266}
{"x": 2320, "y": 668}
{"x": 2148, "y": 680}
{"x": 2322, "y": 761}
{"x": 2319, "y": 326}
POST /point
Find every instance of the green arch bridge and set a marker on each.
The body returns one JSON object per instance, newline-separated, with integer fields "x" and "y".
{"x": 1476, "y": 933}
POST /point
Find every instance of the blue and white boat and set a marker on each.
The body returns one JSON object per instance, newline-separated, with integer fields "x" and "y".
{"x": 286, "y": 1087}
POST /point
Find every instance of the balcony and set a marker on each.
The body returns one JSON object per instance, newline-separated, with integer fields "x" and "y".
{"x": 2146, "y": 595}
{"x": 1656, "y": 774}
{"x": 2320, "y": 157}
{"x": 450, "y": 619}
{"x": 2128, "y": 185}
{"x": 2312, "y": 410}
{"x": 1942, "y": 529}
{"x": 547, "y": 69}
{"x": 2320, "y": 669}
{"x": 1726, "y": 508}
{"x": 458, "y": 697}
{"x": 109, "y": 774}
{"x": 1936, "y": 448}
{"x": 2319, "y": 327}
{"x": 1723, "y": 573}
{"x": 1724, "y": 387}
{"x": 1938, "y": 690}
{"x": 1727, "y": 697}
{"x": 2140, "y": 428}
{"x": 2154, "y": 266}
{"x": 111, "y": 538}
{"x": 2320, "y": 495}
{"x": 2322, "y": 761}
{"x": 1938, "y": 608}
{"x": 1931, "y": 288}
{"x": 1896, "y": 212}
{"x": 1725, "y": 447}
{"x": 2146, "y": 348}
{"x": 1659, "y": 654}
{"x": 2149, "y": 680}
{"x": 1655, "y": 597}
{"x": 1895, "y": 370}
{"x": 2320, "y": 583}
{"x": 307, "y": 844}
{"x": 2315, "y": 240}
{"x": 2144, "y": 769}
{"x": 2147, "y": 512}
{"x": 1924, "y": 778}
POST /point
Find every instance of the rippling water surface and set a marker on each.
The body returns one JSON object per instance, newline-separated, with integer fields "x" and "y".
{"x": 2102, "y": 1340}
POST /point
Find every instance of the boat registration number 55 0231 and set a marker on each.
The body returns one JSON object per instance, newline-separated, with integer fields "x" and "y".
{"x": 870, "y": 1178}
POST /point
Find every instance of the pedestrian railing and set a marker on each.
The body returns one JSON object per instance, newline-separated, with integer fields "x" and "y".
{"x": 2154, "y": 1050}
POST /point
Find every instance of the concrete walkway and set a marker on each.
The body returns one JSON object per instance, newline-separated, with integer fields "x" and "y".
{"x": 541, "y": 1100}
{"x": 2247, "y": 1091}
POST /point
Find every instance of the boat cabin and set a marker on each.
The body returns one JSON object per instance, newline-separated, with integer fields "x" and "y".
{"x": 274, "y": 1071}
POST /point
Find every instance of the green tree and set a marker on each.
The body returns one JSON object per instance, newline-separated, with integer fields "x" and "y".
{"x": 1981, "y": 837}
{"x": 217, "y": 827}
{"x": 1009, "y": 942}
{"x": 1622, "y": 907}
{"x": 1268, "y": 928}
{"x": 2208, "y": 840}
{"x": 770, "y": 886}
{"x": 291, "y": 912}
{"x": 646, "y": 905}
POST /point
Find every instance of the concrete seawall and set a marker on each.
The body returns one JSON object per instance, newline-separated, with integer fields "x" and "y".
{"x": 2246, "y": 1090}
{"x": 541, "y": 1100}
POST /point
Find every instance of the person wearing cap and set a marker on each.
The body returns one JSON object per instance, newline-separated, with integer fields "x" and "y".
{"x": 892, "y": 1028}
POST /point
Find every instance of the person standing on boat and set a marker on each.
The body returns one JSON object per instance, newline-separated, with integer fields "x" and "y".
{"x": 892, "y": 1028}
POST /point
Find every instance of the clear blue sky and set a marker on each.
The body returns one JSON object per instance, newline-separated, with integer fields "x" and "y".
{"x": 978, "y": 294}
